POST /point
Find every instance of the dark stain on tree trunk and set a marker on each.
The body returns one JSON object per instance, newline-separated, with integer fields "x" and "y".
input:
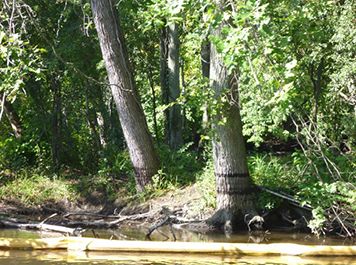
{"x": 235, "y": 196}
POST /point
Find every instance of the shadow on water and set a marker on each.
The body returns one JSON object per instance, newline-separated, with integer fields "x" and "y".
{"x": 137, "y": 233}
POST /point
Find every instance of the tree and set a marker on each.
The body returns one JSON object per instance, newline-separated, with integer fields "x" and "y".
{"x": 233, "y": 183}
{"x": 122, "y": 84}
{"x": 170, "y": 82}
{"x": 12, "y": 116}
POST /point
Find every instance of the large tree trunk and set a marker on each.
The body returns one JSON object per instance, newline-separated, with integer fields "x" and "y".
{"x": 12, "y": 116}
{"x": 123, "y": 88}
{"x": 233, "y": 183}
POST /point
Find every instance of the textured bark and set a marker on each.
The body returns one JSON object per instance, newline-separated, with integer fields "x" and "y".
{"x": 163, "y": 77}
{"x": 205, "y": 58}
{"x": 234, "y": 185}
{"x": 170, "y": 85}
{"x": 12, "y": 116}
{"x": 132, "y": 119}
{"x": 205, "y": 67}
{"x": 175, "y": 139}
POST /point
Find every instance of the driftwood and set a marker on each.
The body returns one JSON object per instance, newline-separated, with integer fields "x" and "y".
{"x": 11, "y": 223}
{"x": 166, "y": 220}
{"x": 91, "y": 244}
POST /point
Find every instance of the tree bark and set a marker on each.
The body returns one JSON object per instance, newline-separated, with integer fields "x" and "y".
{"x": 163, "y": 78}
{"x": 233, "y": 182}
{"x": 132, "y": 119}
{"x": 154, "y": 100}
{"x": 175, "y": 138}
{"x": 56, "y": 123}
{"x": 205, "y": 67}
{"x": 170, "y": 85}
{"x": 12, "y": 116}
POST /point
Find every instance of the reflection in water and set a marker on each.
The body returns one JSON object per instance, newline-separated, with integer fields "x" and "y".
{"x": 101, "y": 258}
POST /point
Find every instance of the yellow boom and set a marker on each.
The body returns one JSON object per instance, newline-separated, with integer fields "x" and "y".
{"x": 93, "y": 244}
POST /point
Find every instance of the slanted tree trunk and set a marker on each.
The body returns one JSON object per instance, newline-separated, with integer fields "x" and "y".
{"x": 12, "y": 116}
{"x": 123, "y": 88}
{"x": 233, "y": 183}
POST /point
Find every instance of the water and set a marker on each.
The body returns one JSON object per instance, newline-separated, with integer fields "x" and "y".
{"x": 127, "y": 233}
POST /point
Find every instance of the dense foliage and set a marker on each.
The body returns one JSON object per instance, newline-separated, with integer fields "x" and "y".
{"x": 294, "y": 61}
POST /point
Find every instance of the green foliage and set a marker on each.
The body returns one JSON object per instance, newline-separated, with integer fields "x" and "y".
{"x": 18, "y": 61}
{"x": 179, "y": 168}
{"x": 206, "y": 185}
{"x": 323, "y": 195}
{"x": 32, "y": 189}
{"x": 295, "y": 63}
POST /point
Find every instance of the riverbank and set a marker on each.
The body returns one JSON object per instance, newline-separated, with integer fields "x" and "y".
{"x": 35, "y": 195}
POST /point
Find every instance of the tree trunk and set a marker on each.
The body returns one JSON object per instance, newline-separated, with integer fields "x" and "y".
{"x": 169, "y": 74}
{"x": 163, "y": 78}
{"x": 154, "y": 101}
{"x": 205, "y": 67}
{"x": 12, "y": 116}
{"x": 92, "y": 121}
{"x": 233, "y": 183}
{"x": 175, "y": 138}
{"x": 123, "y": 88}
{"x": 56, "y": 123}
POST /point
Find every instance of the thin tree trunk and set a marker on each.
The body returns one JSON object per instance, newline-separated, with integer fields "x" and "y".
{"x": 56, "y": 123}
{"x": 123, "y": 88}
{"x": 233, "y": 182}
{"x": 175, "y": 138}
{"x": 164, "y": 79}
{"x": 92, "y": 120}
{"x": 12, "y": 116}
{"x": 154, "y": 100}
{"x": 205, "y": 67}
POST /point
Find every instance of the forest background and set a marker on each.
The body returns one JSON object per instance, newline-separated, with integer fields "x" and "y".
{"x": 60, "y": 134}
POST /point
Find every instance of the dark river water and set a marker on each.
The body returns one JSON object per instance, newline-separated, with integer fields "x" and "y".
{"x": 134, "y": 233}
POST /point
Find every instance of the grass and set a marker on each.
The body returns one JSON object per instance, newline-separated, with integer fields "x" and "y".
{"x": 34, "y": 189}
{"x": 289, "y": 173}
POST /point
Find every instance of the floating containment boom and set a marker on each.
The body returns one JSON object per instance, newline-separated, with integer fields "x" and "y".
{"x": 93, "y": 244}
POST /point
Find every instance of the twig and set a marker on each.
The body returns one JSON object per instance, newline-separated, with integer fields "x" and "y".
{"x": 341, "y": 222}
{"x": 49, "y": 217}
{"x": 286, "y": 197}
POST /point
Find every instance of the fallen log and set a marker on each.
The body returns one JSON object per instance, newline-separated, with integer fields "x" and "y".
{"x": 241, "y": 249}
{"x": 41, "y": 227}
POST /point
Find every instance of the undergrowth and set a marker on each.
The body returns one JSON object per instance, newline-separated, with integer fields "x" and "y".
{"x": 290, "y": 173}
{"x": 32, "y": 189}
